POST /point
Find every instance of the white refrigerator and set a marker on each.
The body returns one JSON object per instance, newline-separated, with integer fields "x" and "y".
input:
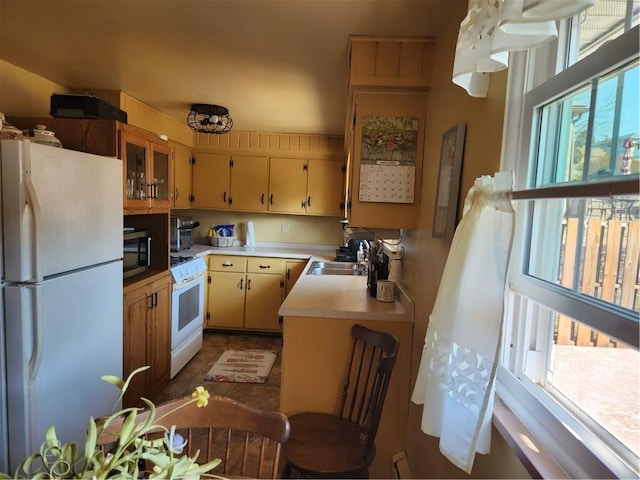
{"x": 62, "y": 292}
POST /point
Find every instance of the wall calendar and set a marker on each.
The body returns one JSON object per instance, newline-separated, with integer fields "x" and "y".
{"x": 388, "y": 159}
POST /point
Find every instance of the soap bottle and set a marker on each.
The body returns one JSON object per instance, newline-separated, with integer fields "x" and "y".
{"x": 361, "y": 258}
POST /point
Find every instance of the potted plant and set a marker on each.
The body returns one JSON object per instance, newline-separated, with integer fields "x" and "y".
{"x": 133, "y": 455}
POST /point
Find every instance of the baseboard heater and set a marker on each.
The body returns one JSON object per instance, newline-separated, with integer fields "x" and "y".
{"x": 400, "y": 466}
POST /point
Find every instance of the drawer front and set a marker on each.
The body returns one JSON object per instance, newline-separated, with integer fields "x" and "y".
{"x": 265, "y": 265}
{"x": 230, "y": 263}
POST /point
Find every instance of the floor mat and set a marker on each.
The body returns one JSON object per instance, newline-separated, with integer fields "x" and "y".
{"x": 242, "y": 366}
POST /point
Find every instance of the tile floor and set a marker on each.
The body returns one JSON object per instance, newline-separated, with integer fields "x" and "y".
{"x": 265, "y": 395}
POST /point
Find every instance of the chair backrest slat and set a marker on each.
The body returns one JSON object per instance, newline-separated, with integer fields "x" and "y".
{"x": 214, "y": 430}
{"x": 373, "y": 356}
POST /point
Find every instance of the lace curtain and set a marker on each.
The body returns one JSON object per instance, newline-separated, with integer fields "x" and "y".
{"x": 459, "y": 358}
{"x": 493, "y": 28}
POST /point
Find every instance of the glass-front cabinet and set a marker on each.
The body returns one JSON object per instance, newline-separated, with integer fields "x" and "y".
{"x": 160, "y": 178}
{"x": 146, "y": 171}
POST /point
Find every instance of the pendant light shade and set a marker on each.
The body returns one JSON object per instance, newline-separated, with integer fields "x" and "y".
{"x": 205, "y": 118}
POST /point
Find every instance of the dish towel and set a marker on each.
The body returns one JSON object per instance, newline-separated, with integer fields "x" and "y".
{"x": 459, "y": 358}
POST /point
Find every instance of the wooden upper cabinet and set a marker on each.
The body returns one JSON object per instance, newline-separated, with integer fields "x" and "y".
{"x": 145, "y": 170}
{"x": 137, "y": 171}
{"x": 230, "y": 182}
{"x": 249, "y": 183}
{"x": 181, "y": 175}
{"x": 374, "y": 185}
{"x": 211, "y": 181}
{"x": 325, "y": 187}
{"x": 390, "y": 62}
{"x": 306, "y": 186}
{"x": 288, "y": 185}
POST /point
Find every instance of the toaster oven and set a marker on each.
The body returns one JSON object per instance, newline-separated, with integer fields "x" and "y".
{"x": 182, "y": 232}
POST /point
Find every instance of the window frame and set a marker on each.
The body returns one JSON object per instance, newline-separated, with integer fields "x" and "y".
{"x": 576, "y": 448}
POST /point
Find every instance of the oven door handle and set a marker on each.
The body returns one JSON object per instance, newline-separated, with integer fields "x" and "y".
{"x": 190, "y": 282}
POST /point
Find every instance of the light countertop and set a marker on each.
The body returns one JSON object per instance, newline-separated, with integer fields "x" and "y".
{"x": 278, "y": 250}
{"x": 342, "y": 296}
{"x": 323, "y": 296}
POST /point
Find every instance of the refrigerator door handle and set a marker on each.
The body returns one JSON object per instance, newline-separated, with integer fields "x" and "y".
{"x": 36, "y": 319}
{"x": 32, "y": 200}
{"x": 24, "y": 337}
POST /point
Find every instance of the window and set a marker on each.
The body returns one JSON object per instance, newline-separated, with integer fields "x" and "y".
{"x": 570, "y": 364}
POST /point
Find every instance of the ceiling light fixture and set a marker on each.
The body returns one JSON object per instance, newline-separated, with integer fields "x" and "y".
{"x": 205, "y": 118}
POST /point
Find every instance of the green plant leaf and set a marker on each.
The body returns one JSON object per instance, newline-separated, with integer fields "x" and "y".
{"x": 127, "y": 429}
{"x": 205, "y": 467}
{"x": 50, "y": 437}
{"x": 123, "y": 386}
{"x": 92, "y": 438}
{"x": 113, "y": 380}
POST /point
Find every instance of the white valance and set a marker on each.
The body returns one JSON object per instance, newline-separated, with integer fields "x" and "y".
{"x": 493, "y": 28}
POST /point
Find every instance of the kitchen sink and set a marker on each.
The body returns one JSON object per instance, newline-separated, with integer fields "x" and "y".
{"x": 335, "y": 268}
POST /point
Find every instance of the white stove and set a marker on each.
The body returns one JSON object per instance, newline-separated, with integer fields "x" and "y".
{"x": 187, "y": 309}
{"x": 185, "y": 267}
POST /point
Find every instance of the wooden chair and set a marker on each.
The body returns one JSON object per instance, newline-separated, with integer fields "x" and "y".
{"x": 247, "y": 440}
{"x": 343, "y": 445}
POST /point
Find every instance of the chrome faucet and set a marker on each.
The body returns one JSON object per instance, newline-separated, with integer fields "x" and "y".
{"x": 367, "y": 258}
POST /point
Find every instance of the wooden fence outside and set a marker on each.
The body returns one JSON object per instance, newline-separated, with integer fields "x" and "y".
{"x": 611, "y": 255}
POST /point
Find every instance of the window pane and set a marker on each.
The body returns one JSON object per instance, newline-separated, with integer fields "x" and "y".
{"x": 593, "y": 376}
{"x": 602, "y": 23}
{"x": 598, "y": 377}
{"x": 616, "y": 125}
{"x": 579, "y": 141}
{"x": 563, "y": 137}
{"x": 590, "y": 246}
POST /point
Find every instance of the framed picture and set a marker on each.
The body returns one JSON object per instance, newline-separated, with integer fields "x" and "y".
{"x": 451, "y": 152}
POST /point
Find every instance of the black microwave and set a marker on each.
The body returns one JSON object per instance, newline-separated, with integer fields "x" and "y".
{"x": 136, "y": 256}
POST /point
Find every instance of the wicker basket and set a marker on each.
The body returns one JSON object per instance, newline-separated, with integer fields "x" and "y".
{"x": 221, "y": 241}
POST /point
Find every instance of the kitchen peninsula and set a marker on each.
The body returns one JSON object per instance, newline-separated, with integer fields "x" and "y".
{"x": 318, "y": 315}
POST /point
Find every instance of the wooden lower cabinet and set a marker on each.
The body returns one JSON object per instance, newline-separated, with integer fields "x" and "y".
{"x": 265, "y": 292}
{"x": 147, "y": 338}
{"x": 245, "y": 293}
{"x": 293, "y": 269}
{"x": 225, "y": 304}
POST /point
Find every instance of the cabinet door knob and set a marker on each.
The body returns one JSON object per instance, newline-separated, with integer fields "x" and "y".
{"x": 224, "y": 197}
{"x": 241, "y": 283}
{"x": 271, "y": 199}
{"x": 262, "y": 199}
{"x": 248, "y": 284}
{"x": 265, "y": 266}
{"x": 309, "y": 201}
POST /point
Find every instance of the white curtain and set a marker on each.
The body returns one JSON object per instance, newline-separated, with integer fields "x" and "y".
{"x": 493, "y": 28}
{"x": 459, "y": 359}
